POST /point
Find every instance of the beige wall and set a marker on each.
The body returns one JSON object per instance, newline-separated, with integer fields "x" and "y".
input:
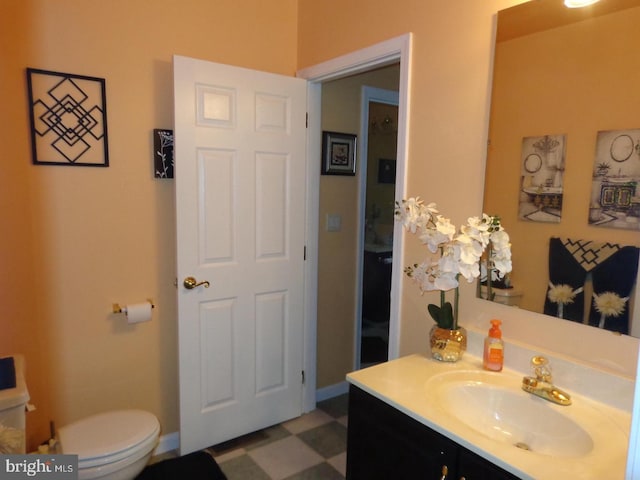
{"x": 77, "y": 239}
{"x": 575, "y": 80}
{"x": 341, "y": 103}
{"x": 21, "y": 327}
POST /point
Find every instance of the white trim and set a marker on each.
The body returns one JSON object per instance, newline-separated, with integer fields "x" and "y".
{"x": 633, "y": 454}
{"x": 167, "y": 443}
{"x": 384, "y": 53}
{"x": 314, "y": 141}
{"x": 375, "y": 56}
{"x": 331, "y": 391}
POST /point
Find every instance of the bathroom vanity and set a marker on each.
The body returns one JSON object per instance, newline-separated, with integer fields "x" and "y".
{"x": 384, "y": 443}
{"x": 415, "y": 417}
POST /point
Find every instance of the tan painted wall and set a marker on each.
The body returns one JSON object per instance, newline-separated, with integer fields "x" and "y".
{"x": 22, "y": 329}
{"x": 77, "y": 239}
{"x": 575, "y": 80}
{"x": 338, "y": 250}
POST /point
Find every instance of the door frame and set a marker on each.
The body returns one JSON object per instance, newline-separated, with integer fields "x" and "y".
{"x": 391, "y": 51}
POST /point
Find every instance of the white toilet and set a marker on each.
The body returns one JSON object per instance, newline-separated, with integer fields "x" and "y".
{"x": 113, "y": 445}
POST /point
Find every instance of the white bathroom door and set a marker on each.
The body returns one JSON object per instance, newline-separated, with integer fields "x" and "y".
{"x": 240, "y": 140}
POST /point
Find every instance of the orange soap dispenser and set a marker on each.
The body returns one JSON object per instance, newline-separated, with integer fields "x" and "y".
{"x": 493, "y": 358}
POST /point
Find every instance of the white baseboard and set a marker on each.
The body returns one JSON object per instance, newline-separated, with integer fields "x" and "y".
{"x": 331, "y": 391}
{"x": 171, "y": 441}
{"x": 167, "y": 443}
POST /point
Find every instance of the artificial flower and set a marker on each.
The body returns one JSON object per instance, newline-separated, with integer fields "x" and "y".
{"x": 609, "y": 304}
{"x": 458, "y": 252}
{"x": 562, "y": 293}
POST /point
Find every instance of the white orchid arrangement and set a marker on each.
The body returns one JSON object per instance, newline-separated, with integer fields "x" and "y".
{"x": 453, "y": 252}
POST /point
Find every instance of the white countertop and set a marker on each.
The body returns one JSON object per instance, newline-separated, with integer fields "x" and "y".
{"x": 377, "y": 248}
{"x": 402, "y": 383}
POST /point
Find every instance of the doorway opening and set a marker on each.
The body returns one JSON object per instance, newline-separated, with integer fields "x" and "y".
{"x": 357, "y": 220}
{"x": 321, "y": 344}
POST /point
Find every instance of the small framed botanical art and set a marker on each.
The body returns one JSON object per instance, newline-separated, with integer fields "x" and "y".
{"x": 68, "y": 116}
{"x": 338, "y": 153}
{"x": 163, "y": 153}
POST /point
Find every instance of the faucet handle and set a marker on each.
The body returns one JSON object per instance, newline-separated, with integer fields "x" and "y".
{"x": 539, "y": 360}
{"x": 541, "y": 368}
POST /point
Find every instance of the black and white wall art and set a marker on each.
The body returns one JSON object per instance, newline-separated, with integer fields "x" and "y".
{"x": 163, "y": 153}
{"x": 542, "y": 178}
{"x": 68, "y": 116}
{"x": 615, "y": 197}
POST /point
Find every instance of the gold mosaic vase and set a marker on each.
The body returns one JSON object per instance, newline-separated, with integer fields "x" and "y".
{"x": 448, "y": 345}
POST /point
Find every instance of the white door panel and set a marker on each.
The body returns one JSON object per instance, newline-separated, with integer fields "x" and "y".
{"x": 240, "y": 199}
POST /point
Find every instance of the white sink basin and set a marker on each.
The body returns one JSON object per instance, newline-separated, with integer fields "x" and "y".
{"x": 492, "y": 406}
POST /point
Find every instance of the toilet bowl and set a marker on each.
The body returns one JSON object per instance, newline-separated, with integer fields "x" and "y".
{"x": 113, "y": 445}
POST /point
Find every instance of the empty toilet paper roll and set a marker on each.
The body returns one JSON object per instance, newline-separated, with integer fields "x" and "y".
{"x": 138, "y": 312}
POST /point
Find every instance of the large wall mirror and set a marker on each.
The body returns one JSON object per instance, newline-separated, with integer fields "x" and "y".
{"x": 563, "y": 164}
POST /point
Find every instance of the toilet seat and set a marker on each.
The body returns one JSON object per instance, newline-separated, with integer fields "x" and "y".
{"x": 109, "y": 437}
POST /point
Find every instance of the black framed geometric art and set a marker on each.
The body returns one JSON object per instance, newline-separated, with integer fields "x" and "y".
{"x": 68, "y": 115}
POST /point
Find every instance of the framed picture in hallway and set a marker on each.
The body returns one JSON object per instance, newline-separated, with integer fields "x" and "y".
{"x": 338, "y": 153}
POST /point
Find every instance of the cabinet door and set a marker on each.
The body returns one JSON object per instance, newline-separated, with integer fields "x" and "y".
{"x": 474, "y": 467}
{"x": 384, "y": 443}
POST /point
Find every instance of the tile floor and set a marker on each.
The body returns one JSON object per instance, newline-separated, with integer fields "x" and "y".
{"x": 311, "y": 447}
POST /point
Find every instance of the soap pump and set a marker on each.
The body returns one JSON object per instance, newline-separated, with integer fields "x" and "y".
{"x": 493, "y": 358}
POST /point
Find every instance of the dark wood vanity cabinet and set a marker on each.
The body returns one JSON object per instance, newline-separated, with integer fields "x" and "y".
{"x": 376, "y": 286}
{"x": 385, "y": 444}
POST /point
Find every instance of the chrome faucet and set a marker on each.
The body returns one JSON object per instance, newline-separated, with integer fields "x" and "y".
{"x": 541, "y": 383}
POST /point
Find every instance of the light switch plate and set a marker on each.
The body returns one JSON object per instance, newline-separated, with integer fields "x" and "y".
{"x": 334, "y": 222}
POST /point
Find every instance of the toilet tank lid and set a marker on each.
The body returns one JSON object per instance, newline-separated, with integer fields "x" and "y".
{"x": 107, "y": 433}
{"x": 12, "y": 397}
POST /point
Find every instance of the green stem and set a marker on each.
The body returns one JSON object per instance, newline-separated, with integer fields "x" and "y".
{"x": 489, "y": 274}
{"x": 442, "y": 299}
{"x": 456, "y": 295}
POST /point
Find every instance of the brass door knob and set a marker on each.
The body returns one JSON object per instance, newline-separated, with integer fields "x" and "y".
{"x": 445, "y": 472}
{"x": 190, "y": 283}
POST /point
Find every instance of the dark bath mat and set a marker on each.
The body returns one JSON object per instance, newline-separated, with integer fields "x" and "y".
{"x": 194, "y": 466}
